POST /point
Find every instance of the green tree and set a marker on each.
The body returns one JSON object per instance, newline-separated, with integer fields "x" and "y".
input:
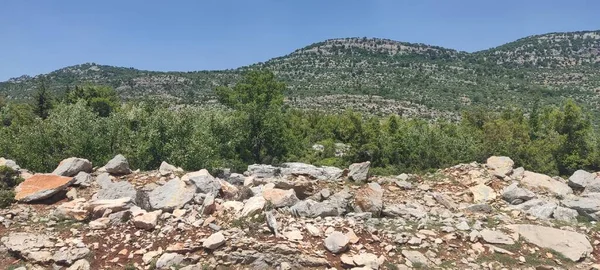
{"x": 101, "y": 99}
{"x": 258, "y": 100}
{"x": 575, "y": 150}
{"x": 42, "y": 101}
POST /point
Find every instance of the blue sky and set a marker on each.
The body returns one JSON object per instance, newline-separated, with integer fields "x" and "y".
{"x": 42, "y": 36}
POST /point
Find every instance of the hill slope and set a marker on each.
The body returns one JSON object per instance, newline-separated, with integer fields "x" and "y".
{"x": 397, "y": 77}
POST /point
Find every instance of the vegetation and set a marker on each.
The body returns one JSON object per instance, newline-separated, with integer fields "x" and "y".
{"x": 259, "y": 127}
{"x": 9, "y": 178}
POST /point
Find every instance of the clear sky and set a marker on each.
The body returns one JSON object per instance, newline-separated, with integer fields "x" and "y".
{"x": 44, "y": 35}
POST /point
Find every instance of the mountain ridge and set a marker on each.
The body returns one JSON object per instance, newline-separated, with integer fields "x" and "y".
{"x": 550, "y": 67}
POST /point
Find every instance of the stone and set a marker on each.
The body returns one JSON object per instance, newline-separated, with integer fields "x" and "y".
{"x": 312, "y": 230}
{"x": 263, "y": 171}
{"x": 586, "y": 206}
{"x": 41, "y": 186}
{"x": 444, "y": 200}
{"x": 314, "y": 172}
{"x": 581, "y": 179}
{"x": 100, "y": 207}
{"x": 117, "y": 190}
{"x": 72, "y": 166}
{"x": 280, "y": 197}
{"x": 463, "y": 226}
{"x": 499, "y": 165}
{"x": 336, "y": 242}
{"x": 147, "y": 221}
{"x": 294, "y": 235}
{"x": 572, "y": 245}
{"x": 496, "y": 237}
{"x": 513, "y": 194}
{"x": 228, "y": 190}
{"x": 214, "y": 241}
{"x": 9, "y": 163}
{"x": 253, "y": 205}
{"x": 118, "y": 165}
{"x": 369, "y": 198}
{"x": 352, "y": 237}
{"x": 482, "y": 193}
{"x": 69, "y": 256}
{"x": 592, "y": 187}
{"x": 73, "y": 210}
{"x": 208, "y": 205}
{"x": 537, "y": 180}
{"x": 565, "y": 214}
{"x": 359, "y": 172}
{"x": 479, "y": 208}
{"x": 272, "y": 223}
{"x": 28, "y": 245}
{"x": 104, "y": 180}
{"x": 368, "y": 260}
{"x": 236, "y": 179}
{"x": 416, "y": 257}
{"x": 99, "y": 224}
{"x": 205, "y": 183}
{"x": 149, "y": 256}
{"x": 542, "y": 211}
{"x": 169, "y": 259}
{"x": 83, "y": 179}
{"x": 81, "y": 264}
{"x": 403, "y": 184}
{"x": 172, "y": 195}
{"x": 166, "y": 169}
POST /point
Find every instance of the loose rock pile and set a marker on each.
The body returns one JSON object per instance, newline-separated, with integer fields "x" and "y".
{"x": 300, "y": 216}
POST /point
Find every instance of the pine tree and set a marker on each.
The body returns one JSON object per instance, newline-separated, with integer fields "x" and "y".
{"x": 42, "y": 101}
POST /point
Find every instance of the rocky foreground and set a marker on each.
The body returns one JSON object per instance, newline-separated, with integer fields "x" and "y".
{"x": 298, "y": 216}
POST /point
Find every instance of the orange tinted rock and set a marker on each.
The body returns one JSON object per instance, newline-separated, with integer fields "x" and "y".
{"x": 41, "y": 186}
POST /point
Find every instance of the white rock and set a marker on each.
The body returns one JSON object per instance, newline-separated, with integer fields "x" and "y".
{"x": 214, "y": 241}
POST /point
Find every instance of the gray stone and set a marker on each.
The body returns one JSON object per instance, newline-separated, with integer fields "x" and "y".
{"x": 263, "y": 171}
{"x": 28, "y": 244}
{"x": 565, "y": 214}
{"x": 482, "y": 193}
{"x": 359, "y": 172}
{"x": 409, "y": 210}
{"x": 587, "y": 206}
{"x": 169, "y": 259}
{"x": 205, "y": 183}
{"x": 463, "y": 226}
{"x": 479, "y": 208}
{"x": 103, "y": 180}
{"x": 581, "y": 179}
{"x": 513, "y": 194}
{"x": 83, "y": 179}
{"x": 572, "y": 245}
{"x": 117, "y": 190}
{"x": 72, "y": 166}
{"x": 272, "y": 223}
{"x": 253, "y": 205}
{"x": 444, "y": 200}
{"x": 592, "y": 187}
{"x": 403, "y": 184}
{"x": 166, "y": 169}
{"x": 542, "y": 211}
{"x": 496, "y": 237}
{"x": 336, "y": 242}
{"x": 69, "y": 256}
{"x": 416, "y": 257}
{"x": 236, "y": 179}
{"x": 118, "y": 165}
{"x": 172, "y": 195}
{"x": 9, "y": 163}
{"x": 320, "y": 173}
{"x": 82, "y": 264}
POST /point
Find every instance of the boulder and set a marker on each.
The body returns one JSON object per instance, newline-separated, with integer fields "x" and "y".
{"x": 542, "y": 211}
{"x": 214, "y": 241}
{"x": 586, "y": 206}
{"x": 537, "y": 180}
{"x": 336, "y": 242}
{"x": 581, "y": 179}
{"x": 166, "y": 169}
{"x": 500, "y": 166}
{"x": 83, "y": 179}
{"x": 70, "y": 255}
{"x": 100, "y": 207}
{"x": 513, "y": 194}
{"x": 263, "y": 171}
{"x": 565, "y": 214}
{"x": 280, "y": 197}
{"x": 359, "y": 172}
{"x": 369, "y": 198}
{"x": 205, "y": 183}
{"x": 41, "y": 186}
{"x": 572, "y": 245}
{"x": 172, "y": 195}
{"x": 253, "y": 205}
{"x": 9, "y": 163}
{"x": 118, "y": 165}
{"x": 72, "y": 166}
{"x": 228, "y": 190}
{"x": 416, "y": 257}
{"x": 314, "y": 172}
{"x": 496, "y": 237}
{"x": 146, "y": 220}
{"x": 167, "y": 260}
{"x": 28, "y": 245}
{"x": 482, "y": 193}
{"x": 104, "y": 180}
{"x": 82, "y": 264}
{"x": 117, "y": 190}
{"x": 592, "y": 187}
{"x": 73, "y": 210}
{"x": 236, "y": 179}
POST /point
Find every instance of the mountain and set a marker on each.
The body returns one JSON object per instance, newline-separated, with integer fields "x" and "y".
{"x": 379, "y": 75}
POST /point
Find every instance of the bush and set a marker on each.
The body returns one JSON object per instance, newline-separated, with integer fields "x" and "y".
{"x": 6, "y": 198}
{"x": 9, "y": 178}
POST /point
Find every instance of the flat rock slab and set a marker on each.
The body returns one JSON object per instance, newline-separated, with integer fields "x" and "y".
{"x": 173, "y": 195}
{"x": 496, "y": 237}
{"x": 537, "y": 180}
{"x": 572, "y": 245}
{"x": 41, "y": 186}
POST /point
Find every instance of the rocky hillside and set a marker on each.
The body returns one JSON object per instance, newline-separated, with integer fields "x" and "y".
{"x": 547, "y": 67}
{"x": 298, "y": 216}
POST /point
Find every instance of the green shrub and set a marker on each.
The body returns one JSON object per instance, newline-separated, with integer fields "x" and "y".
{"x": 6, "y": 198}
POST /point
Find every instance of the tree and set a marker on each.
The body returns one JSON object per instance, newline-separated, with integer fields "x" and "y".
{"x": 576, "y": 149}
{"x": 258, "y": 100}
{"x": 101, "y": 99}
{"x": 42, "y": 101}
